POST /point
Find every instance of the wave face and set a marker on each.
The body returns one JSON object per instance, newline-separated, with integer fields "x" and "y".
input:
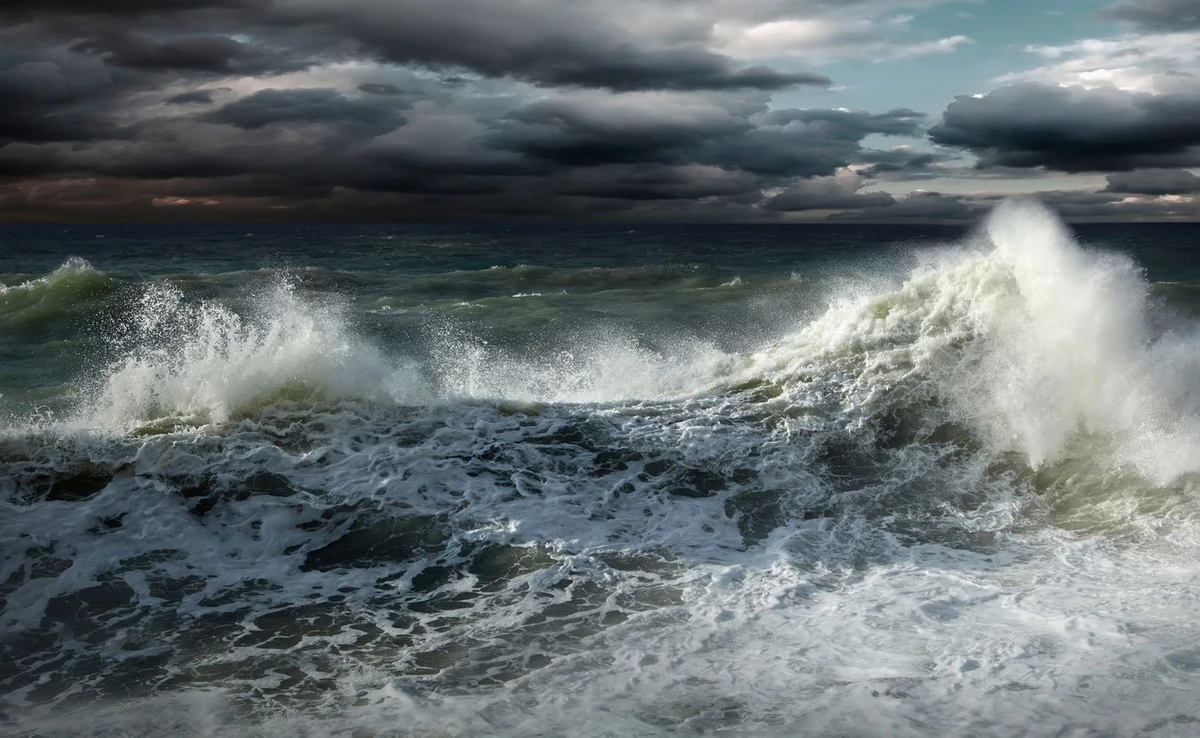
{"x": 877, "y": 483}
{"x": 67, "y": 291}
{"x": 1034, "y": 343}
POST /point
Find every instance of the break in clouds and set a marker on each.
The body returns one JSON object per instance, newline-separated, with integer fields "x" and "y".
{"x": 548, "y": 109}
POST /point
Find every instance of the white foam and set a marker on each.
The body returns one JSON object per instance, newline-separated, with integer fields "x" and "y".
{"x": 604, "y": 366}
{"x": 1032, "y": 339}
{"x": 203, "y": 362}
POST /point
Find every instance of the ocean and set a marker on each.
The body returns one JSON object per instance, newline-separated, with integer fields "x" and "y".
{"x": 601, "y": 480}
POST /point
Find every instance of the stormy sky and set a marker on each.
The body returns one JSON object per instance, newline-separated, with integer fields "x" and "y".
{"x": 553, "y": 110}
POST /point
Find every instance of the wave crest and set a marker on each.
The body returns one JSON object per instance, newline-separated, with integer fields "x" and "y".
{"x": 203, "y": 363}
{"x": 58, "y": 294}
{"x": 1028, "y": 338}
{"x": 1025, "y": 339}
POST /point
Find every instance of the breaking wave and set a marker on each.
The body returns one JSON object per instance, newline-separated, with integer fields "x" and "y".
{"x": 204, "y": 363}
{"x": 1026, "y": 337}
{"x": 1035, "y": 344}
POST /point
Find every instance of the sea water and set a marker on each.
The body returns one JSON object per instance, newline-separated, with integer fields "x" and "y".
{"x": 601, "y": 481}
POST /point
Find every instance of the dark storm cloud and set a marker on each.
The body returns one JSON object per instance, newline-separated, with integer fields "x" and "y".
{"x": 589, "y": 131}
{"x": 903, "y": 161}
{"x": 475, "y": 109}
{"x": 380, "y": 88}
{"x": 1082, "y": 205}
{"x": 1158, "y": 15}
{"x": 543, "y": 42}
{"x": 192, "y": 97}
{"x": 270, "y": 106}
{"x": 849, "y": 124}
{"x": 1154, "y": 182}
{"x": 158, "y": 156}
{"x": 1073, "y": 129}
{"x": 194, "y": 53}
{"x": 67, "y": 125}
{"x": 59, "y": 96}
{"x": 625, "y": 68}
{"x": 33, "y": 8}
{"x": 808, "y": 143}
{"x": 638, "y": 182}
{"x": 550, "y": 44}
{"x": 575, "y": 155}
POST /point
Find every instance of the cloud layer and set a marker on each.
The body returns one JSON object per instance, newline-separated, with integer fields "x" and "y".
{"x": 547, "y": 109}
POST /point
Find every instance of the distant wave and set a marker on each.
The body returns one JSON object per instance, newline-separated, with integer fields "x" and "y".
{"x": 59, "y": 294}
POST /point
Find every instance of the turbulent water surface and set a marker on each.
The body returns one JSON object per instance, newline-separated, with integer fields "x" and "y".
{"x": 390, "y": 481}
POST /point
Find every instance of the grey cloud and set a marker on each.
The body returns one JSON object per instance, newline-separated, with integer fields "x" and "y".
{"x": 163, "y": 154}
{"x": 551, "y": 44}
{"x": 1083, "y": 205}
{"x": 637, "y": 116}
{"x": 26, "y": 8}
{"x": 648, "y": 182}
{"x": 850, "y": 124}
{"x": 1154, "y": 182}
{"x": 584, "y": 131}
{"x": 58, "y": 96}
{"x": 194, "y": 53}
{"x": 270, "y": 106}
{"x": 625, "y": 68}
{"x": 191, "y": 97}
{"x": 810, "y": 142}
{"x": 580, "y": 154}
{"x": 902, "y": 161}
{"x": 380, "y": 88}
{"x": 590, "y": 130}
{"x": 1158, "y": 15}
{"x": 1073, "y": 129}
{"x": 543, "y": 42}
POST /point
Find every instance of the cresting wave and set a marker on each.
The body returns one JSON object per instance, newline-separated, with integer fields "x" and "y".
{"x": 195, "y": 364}
{"x": 59, "y": 295}
{"x": 1034, "y": 343}
{"x": 205, "y": 363}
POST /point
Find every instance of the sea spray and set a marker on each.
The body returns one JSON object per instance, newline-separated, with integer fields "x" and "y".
{"x": 1031, "y": 341}
{"x": 201, "y": 362}
{"x": 1028, "y": 338}
{"x": 602, "y": 365}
